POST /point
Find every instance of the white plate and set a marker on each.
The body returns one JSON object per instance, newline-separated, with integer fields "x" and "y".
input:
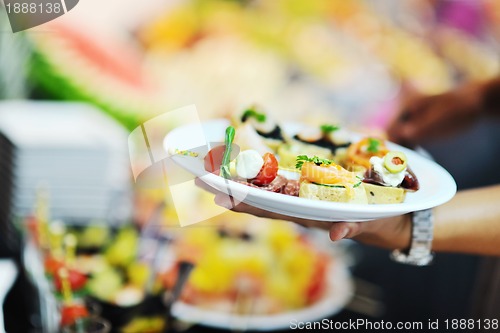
{"x": 338, "y": 293}
{"x": 436, "y": 184}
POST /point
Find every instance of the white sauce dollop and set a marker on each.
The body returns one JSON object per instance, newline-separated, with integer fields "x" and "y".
{"x": 248, "y": 164}
{"x": 389, "y": 178}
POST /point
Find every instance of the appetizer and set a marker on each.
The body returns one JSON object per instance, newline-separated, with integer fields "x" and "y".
{"x": 258, "y": 131}
{"x": 263, "y": 266}
{"x": 388, "y": 178}
{"x": 359, "y": 153}
{"x": 326, "y": 141}
{"x": 369, "y": 173}
{"x": 322, "y": 179}
{"x": 249, "y": 167}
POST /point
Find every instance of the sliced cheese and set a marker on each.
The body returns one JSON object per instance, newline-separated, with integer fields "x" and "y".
{"x": 377, "y": 194}
{"x": 355, "y": 195}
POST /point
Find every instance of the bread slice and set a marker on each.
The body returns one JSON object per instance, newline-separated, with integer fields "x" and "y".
{"x": 377, "y": 194}
{"x": 336, "y": 194}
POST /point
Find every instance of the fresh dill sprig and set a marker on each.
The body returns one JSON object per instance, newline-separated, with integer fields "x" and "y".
{"x": 301, "y": 159}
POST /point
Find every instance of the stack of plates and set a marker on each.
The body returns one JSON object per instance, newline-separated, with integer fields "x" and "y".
{"x": 74, "y": 151}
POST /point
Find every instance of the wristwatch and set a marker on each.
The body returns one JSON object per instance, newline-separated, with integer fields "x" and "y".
{"x": 419, "y": 253}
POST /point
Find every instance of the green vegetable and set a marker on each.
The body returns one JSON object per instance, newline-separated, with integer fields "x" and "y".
{"x": 301, "y": 159}
{"x": 95, "y": 235}
{"x": 226, "y": 158}
{"x": 373, "y": 145}
{"x": 395, "y": 161}
{"x": 123, "y": 249}
{"x": 338, "y": 186}
{"x": 105, "y": 284}
{"x": 327, "y": 129}
{"x": 252, "y": 113}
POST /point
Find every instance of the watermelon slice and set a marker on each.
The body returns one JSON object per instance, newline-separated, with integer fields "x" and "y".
{"x": 73, "y": 64}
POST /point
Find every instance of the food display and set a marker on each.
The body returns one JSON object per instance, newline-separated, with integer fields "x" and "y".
{"x": 349, "y": 51}
{"x": 252, "y": 267}
{"x": 295, "y": 95}
{"x": 93, "y": 271}
{"x": 316, "y": 163}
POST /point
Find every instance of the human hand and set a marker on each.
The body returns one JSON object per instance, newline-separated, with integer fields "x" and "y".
{"x": 423, "y": 118}
{"x": 390, "y": 233}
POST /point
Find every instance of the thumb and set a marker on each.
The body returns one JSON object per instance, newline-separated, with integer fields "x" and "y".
{"x": 344, "y": 230}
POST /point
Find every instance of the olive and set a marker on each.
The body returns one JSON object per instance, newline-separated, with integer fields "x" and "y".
{"x": 395, "y": 161}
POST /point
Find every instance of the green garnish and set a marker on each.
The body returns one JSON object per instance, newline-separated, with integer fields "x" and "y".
{"x": 373, "y": 145}
{"x": 252, "y": 113}
{"x": 327, "y": 129}
{"x": 301, "y": 159}
{"x": 337, "y": 186}
{"x": 226, "y": 158}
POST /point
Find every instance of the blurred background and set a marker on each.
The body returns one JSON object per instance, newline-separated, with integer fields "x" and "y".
{"x": 73, "y": 89}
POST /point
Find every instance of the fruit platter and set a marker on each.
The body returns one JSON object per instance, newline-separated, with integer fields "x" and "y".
{"x": 254, "y": 274}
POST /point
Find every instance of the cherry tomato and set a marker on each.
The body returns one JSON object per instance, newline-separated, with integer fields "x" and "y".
{"x": 213, "y": 159}
{"x": 268, "y": 172}
{"x": 77, "y": 280}
{"x": 71, "y": 312}
{"x": 52, "y": 265}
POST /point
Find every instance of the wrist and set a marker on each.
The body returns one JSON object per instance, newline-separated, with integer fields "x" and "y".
{"x": 390, "y": 233}
{"x": 419, "y": 253}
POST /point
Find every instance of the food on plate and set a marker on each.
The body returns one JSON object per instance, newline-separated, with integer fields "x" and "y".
{"x": 256, "y": 130}
{"x": 89, "y": 264}
{"x": 322, "y": 179}
{"x": 326, "y": 141}
{"x": 123, "y": 249}
{"x": 264, "y": 126}
{"x": 377, "y": 194}
{"x": 105, "y": 284}
{"x": 249, "y": 167}
{"x": 126, "y": 82}
{"x": 144, "y": 324}
{"x": 52, "y": 265}
{"x": 93, "y": 236}
{"x": 71, "y": 312}
{"x": 251, "y": 267}
{"x": 368, "y": 173}
{"x": 75, "y": 279}
{"x": 328, "y": 136}
{"x": 128, "y": 295}
{"x": 252, "y": 169}
{"x": 388, "y": 178}
{"x": 260, "y": 171}
{"x": 359, "y": 153}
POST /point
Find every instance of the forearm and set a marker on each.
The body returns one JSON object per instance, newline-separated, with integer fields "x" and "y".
{"x": 469, "y": 223}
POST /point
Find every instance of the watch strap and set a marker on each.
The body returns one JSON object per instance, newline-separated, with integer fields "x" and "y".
{"x": 419, "y": 253}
